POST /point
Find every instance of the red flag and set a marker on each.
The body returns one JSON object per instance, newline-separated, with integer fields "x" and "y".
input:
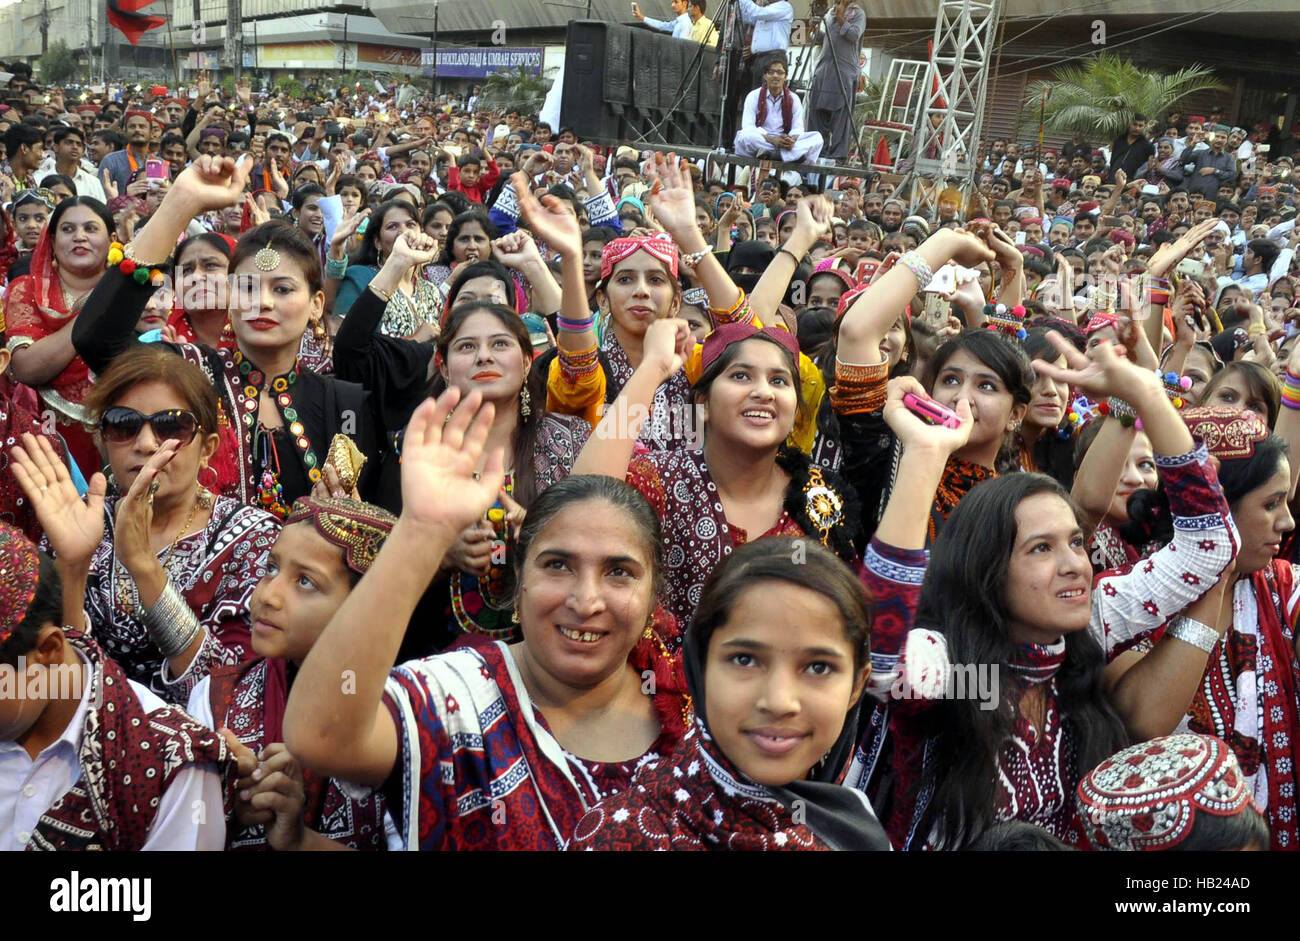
{"x": 122, "y": 16}
{"x": 882, "y": 158}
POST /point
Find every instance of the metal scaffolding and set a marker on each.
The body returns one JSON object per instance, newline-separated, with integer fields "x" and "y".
{"x": 945, "y": 138}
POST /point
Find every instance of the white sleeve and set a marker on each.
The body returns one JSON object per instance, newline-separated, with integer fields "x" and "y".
{"x": 1281, "y": 266}
{"x": 191, "y": 815}
{"x": 781, "y": 10}
{"x": 200, "y": 704}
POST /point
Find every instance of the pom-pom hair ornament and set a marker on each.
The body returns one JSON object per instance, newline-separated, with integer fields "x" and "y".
{"x": 1010, "y": 321}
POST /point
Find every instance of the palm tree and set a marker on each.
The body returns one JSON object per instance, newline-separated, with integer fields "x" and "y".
{"x": 513, "y": 90}
{"x": 1101, "y": 96}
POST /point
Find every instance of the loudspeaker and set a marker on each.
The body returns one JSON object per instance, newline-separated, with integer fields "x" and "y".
{"x": 634, "y": 83}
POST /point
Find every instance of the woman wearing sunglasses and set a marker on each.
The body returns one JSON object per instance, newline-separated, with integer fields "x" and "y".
{"x": 284, "y": 416}
{"x": 172, "y": 566}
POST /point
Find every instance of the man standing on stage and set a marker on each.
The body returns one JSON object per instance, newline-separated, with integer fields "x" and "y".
{"x": 771, "y": 21}
{"x": 835, "y": 82}
{"x": 679, "y": 26}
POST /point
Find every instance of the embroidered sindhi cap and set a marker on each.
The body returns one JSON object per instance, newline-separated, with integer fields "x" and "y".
{"x": 20, "y": 566}
{"x": 1147, "y": 796}
{"x": 1227, "y": 433}
{"x": 730, "y": 333}
{"x": 359, "y": 529}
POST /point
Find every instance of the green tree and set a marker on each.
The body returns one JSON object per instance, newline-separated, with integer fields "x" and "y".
{"x": 513, "y": 90}
{"x": 1101, "y": 96}
{"x": 58, "y": 64}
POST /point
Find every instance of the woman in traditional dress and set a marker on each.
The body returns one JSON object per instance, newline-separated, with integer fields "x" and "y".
{"x": 172, "y": 565}
{"x": 1227, "y": 666}
{"x": 289, "y": 415}
{"x": 415, "y": 304}
{"x": 981, "y": 367}
{"x": 200, "y": 312}
{"x": 469, "y": 238}
{"x": 494, "y": 746}
{"x": 43, "y": 308}
{"x": 745, "y": 482}
{"x": 326, "y": 545}
{"x": 1008, "y": 591}
{"x": 781, "y": 644}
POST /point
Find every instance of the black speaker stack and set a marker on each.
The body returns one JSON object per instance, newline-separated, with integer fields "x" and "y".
{"x": 633, "y": 83}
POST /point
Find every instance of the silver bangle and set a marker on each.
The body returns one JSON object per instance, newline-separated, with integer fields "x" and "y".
{"x": 1191, "y": 631}
{"x": 171, "y": 622}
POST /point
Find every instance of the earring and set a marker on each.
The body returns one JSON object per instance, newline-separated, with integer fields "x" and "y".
{"x": 514, "y": 616}
{"x": 525, "y": 401}
{"x": 318, "y": 328}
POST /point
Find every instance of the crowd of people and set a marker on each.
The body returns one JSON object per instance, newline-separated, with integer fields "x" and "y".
{"x": 383, "y": 472}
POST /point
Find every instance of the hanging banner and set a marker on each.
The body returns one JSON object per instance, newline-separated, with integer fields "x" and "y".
{"x": 482, "y": 62}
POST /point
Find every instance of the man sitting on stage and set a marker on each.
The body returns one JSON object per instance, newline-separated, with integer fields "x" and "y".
{"x": 773, "y": 122}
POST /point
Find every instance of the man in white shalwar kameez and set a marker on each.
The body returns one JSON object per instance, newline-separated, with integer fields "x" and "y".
{"x": 773, "y": 122}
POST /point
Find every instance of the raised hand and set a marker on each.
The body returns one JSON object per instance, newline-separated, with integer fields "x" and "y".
{"x": 1103, "y": 372}
{"x": 666, "y": 345}
{"x": 964, "y": 248}
{"x": 515, "y": 250}
{"x": 672, "y": 199}
{"x": 442, "y": 488}
{"x": 131, "y": 528}
{"x": 551, "y": 220}
{"x": 74, "y": 527}
{"x": 347, "y": 228}
{"x": 210, "y": 183}
{"x": 410, "y": 250}
{"x": 913, "y": 431}
{"x": 110, "y": 187}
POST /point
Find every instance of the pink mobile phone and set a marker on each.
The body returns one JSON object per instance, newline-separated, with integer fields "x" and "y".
{"x": 156, "y": 170}
{"x": 932, "y": 411}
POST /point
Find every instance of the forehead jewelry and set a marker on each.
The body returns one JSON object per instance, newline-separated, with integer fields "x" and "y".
{"x": 267, "y": 259}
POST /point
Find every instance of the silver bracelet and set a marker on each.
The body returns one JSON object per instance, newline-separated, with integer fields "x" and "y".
{"x": 171, "y": 622}
{"x": 694, "y": 258}
{"x": 1191, "y": 631}
{"x": 914, "y": 263}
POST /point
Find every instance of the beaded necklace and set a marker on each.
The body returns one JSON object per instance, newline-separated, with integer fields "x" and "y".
{"x": 270, "y": 492}
{"x": 483, "y": 604}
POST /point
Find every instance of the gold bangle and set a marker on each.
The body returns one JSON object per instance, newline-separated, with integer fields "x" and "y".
{"x": 379, "y": 293}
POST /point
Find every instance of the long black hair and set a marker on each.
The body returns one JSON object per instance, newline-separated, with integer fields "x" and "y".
{"x": 964, "y": 598}
{"x": 368, "y": 254}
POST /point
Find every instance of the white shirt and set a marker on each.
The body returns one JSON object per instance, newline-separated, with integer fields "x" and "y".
{"x": 679, "y": 27}
{"x": 28, "y": 788}
{"x": 86, "y": 181}
{"x": 771, "y": 24}
{"x": 773, "y": 124}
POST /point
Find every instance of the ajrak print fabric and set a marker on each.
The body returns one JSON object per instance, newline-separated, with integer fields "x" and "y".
{"x": 128, "y": 758}
{"x": 1247, "y": 695}
{"x": 480, "y": 770}
{"x": 215, "y": 570}
{"x": 249, "y": 699}
{"x": 666, "y": 429}
{"x": 692, "y": 800}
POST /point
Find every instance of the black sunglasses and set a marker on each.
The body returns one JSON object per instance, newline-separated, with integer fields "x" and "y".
{"x": 120, "y": 424}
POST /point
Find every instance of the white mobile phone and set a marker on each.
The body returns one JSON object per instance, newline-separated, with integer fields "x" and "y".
{"x": 944, "y": 282}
